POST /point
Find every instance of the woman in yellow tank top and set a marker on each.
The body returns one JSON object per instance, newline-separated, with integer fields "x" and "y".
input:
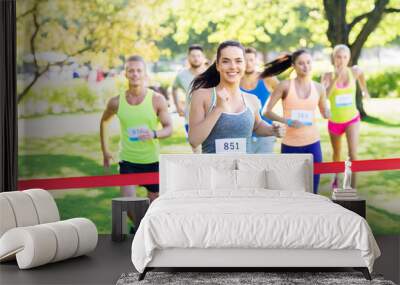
{"x": 341, "y": 89}
{"x": 300, "y": 99}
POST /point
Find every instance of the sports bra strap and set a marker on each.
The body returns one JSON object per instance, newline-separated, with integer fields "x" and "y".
{"x": 214, "y": 100}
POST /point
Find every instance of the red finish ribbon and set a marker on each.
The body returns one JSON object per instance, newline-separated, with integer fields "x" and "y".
{"x": 152, "y": 177}
{"x": 90, "y": 181}
{"x": 358, "y": 165}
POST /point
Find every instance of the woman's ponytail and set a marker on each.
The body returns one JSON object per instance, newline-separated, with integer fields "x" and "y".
{"x": 281, "y": 64}
{"x": 207, "y": 79}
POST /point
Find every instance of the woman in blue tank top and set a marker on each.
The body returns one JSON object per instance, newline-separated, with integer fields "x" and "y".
{"x": 222, "y": 117}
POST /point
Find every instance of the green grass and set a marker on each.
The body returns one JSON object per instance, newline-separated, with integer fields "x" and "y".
{"x": 95, "y": 207}
{"x": 80, "y": 155}
{"x": 383, "y": 222}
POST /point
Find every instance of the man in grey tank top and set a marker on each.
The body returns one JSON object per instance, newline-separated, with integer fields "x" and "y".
{"x": 183, "y": 80}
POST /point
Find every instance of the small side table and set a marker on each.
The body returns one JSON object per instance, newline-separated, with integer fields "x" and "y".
{"x": 357, "y": 206}
{"x": 120, "y": 207}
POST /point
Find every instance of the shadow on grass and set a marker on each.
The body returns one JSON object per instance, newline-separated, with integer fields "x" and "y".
{"x": 392, "y": 216}
{"x": 54, "y": 165}
{"x": 380, "y": 122}
{"x": 383, "y": 222}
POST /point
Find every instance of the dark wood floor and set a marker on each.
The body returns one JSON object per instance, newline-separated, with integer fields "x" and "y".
{"x": 102, "y": 266}
{"x": 110, "y": 260}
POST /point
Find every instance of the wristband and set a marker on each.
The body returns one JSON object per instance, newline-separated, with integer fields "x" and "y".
{"x": 289, "y": 122}
{"x": 155, "y": 134}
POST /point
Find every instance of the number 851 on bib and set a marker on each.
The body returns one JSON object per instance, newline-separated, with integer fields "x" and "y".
{"x": 234, "y": 145}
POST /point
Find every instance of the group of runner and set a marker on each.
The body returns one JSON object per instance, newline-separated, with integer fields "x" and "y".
{"x": 229, "y": 108}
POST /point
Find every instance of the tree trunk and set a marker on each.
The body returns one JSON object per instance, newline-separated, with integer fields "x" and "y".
{"x": 335, "y": 12}
{"x": 359, "y": 99}
{"x": 359, "y": 103}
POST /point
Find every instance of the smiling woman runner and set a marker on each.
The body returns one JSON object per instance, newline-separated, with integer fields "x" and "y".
{"x": 341, "y": 90}
{"x": 222, "y": 117}
{"x": 300, "y": 98}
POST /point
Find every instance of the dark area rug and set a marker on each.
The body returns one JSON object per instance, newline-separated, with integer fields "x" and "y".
{"x": 242, "y": 278}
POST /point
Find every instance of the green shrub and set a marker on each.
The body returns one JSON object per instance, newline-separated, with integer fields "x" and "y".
{"x": 86, "y": 97}
{"x": 384, "y": 84}
{"x": 67, "y": 96}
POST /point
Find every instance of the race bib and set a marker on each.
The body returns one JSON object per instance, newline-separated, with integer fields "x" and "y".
{"x": 305, "y": 117}
{"x": 133, "y": 133}
{"x": 344, "y": 100}
{"x": 237, "y": 145}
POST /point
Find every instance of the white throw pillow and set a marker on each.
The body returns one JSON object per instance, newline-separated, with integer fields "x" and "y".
{"x": 251, "y": 178}
{"x": 223, "y": 179}
{"x": 279, "y": 180}
{"x": 282, "y": 174}
{"x": 187, "y": 177}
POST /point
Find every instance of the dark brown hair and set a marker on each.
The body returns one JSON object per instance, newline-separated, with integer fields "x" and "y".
{"x": 210, "y": 77}
{"x": 194, "y": 47}
{"x": 281, "y": 64}
{"x": 136, "y": 58}
{"x": 251, "y": 50}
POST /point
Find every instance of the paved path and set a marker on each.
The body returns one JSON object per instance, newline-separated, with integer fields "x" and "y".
{"x": 74, "y": 124}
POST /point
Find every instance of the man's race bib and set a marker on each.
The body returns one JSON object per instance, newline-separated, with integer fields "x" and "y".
{"x": 133, "y": 133}
{"x": 237, "y": 145}
{"x": 304, "y": 116}
{"x": 344, "y": 100}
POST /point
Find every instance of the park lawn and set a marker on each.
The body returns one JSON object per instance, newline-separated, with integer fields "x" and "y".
{"x": 80, "y": 155}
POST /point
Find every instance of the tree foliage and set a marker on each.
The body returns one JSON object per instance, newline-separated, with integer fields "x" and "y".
{"x": 264, "y": 24}
{"x": 87, "y": 30}
{"x": 103, "y": 31}
{"x": 289, "y": 24}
